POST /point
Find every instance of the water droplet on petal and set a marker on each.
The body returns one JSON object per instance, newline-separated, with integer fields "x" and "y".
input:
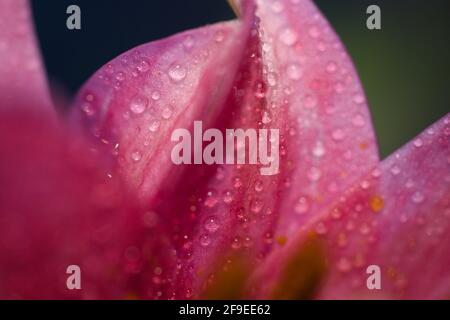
{"x": 277, "y": 7}
{"x": 314, "y": 32}
{"x": 294, "y": 71}
{"x": 331, "y": 67}
{"x": 120, "y": 76}
{"x": 167, "y": 112}
{"x": 319, "y": 150}
{"x": 395, "y": 170}
{"x": 237, "y": 183}
{"x": 259, "y": 186}
{"x": 344, "y": 265}
{"x": 321, "y": 229}
{"x": 272, "y": 79}
{"x": 376, "y": 173}
{"x": 156, "y": 95}
{"x": 177, "y": 73}
{"x": 228, "y": 197}
{"x": 266, "y": 118}
{"x": 88, "y": 109}
{"x": 314, "y": 174}
{"x": 288, "y": 36}
{"x": 143, "y": 66}
{"x": 365, "y": 184}
{"x": 302, "y": 206}
{"x": 256, "y": 206}
{"x": 418, "y": 142}
{"x": 188, "y": 42}
{"x": 211, "y": 225}
{"x": 205, "y": 240}
{"x": 136, "y": 156}
{"x": 338, "y": 135}
{"x": 138, "y": 104}
{"x": 260, "y": 90}
{"x": 219, "y": 36}
{"x": 358, "y": 120}
{"x": 154, "y": 126}
{"x": 236, "y": 243}
{"x": 359, "y": 99}
{"x": 310, "y": 102}
{"x": 417, "y": 197}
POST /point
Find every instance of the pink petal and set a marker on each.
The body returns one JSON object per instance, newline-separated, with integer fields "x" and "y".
{"x": 205, "y": 213}
{"x": 59, "y": 206}
{"x": 22, "y": 78}
{"x": 321, "y": 106}
{"x": 397, "y": 218}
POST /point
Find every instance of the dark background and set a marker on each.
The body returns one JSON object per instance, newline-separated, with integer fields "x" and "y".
{"x": 404, "y": 67}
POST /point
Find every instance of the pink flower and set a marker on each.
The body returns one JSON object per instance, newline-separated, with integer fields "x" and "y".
{"x": 97, "y": 188}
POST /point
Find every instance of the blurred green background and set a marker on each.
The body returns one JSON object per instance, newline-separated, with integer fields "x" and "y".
{"x": 404, "y": 67}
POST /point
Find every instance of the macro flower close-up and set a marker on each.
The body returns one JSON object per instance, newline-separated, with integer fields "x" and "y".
{"x": 237, "y": 160}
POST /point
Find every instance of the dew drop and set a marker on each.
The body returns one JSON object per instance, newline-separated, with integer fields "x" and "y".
{"x": 314, "y": 32}
{"x": 358, "y": 120}
{"x": 260, "y": 90}
{"x": 228, "y": 197}
{"x": 331, "y": 67}
{"x": 338, "y": 135}
{"x": 211, "y": 225}
{"x": 188, "y": 42}
{"x": 266, "y": 119}
{"x": 259, "y": 186}
{"x": 395, "y": 170}
{"x": 177, "y": 73}
{"x": 237, "y": 183}
{"x": 294, "y": 71}
{"x": 154, "y": 126}
{"x": 277, "y": 7}
{"x": 321, "y": 229}
{"x": 339, "y": 87}
{"x": 365, "y": 184}
{"x": 219, "y": 36}
{"x": 138, "y": 104}
{"x": 256, "y": 206}
{"x": 211, "y": 201}
{"x": 167, "y": 112}
{"x": 364, "y": 229}
{"x": 417, "y": 197}
{"x": 136, "y": 156}
{"x": 143, "y": 66}
{"x": 319, "y": 150}
{"x": 310, "y": 102}
{"x": 418, "y": 142}
{"x": 120, "y": 76}
{"x": 303, "y": 204}
{"x": 314, "y": 174}
{"x": 288, "y": 36}
{"x": 336, "y": 213}
{"x": 88, "y": 109}
{"x": 272, "y": 79}
{"x": 376, "y": 173}
{"x": 344, "y": 265}
{"x": 205, "y": 240}
{"x": 236, "y": 243}
{"x": 156, "y": 95}
{"x": 359, "y": 99}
